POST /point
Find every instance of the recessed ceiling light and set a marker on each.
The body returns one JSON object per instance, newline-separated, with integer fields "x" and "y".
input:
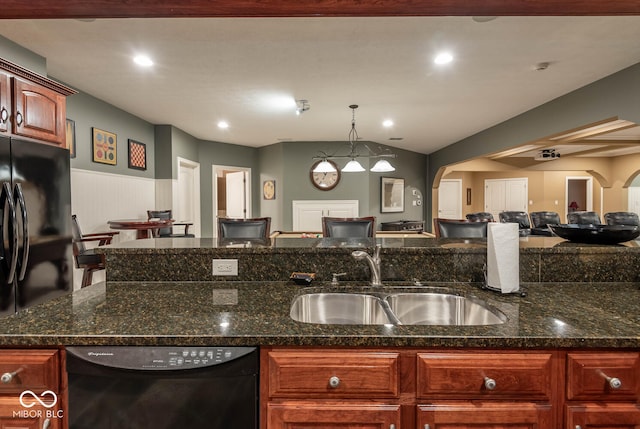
{"x": 143, "y": 60}
{"x": 387, "y": 123}
{"x": 443, "y": 58}
{"x": 223, "y": 125}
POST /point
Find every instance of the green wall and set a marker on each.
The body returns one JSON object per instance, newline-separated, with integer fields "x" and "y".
{"x": 89, "y": 112}
{"x": 15, "y": 53}
{"x": 215, "y": 153}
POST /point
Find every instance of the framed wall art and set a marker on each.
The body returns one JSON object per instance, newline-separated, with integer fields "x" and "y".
{"x": 391, "y": 195}
{"x": 137, "y": 155}
{"x": 269, "y": 190}
{"x": 105, "y": 145}
{"x": 70, "y": 133}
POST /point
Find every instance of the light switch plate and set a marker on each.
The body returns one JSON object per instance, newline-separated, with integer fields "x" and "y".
{"x": 224, "y": 267}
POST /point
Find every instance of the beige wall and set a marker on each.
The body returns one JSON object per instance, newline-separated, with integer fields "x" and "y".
{"x": 547, "y": 182}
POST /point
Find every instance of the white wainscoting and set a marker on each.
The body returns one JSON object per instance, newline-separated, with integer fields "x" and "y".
{"x": 99, "y": 197}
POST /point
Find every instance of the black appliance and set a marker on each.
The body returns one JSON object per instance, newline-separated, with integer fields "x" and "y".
{"x": 35, "y": 223}
{"x": 403, "y": 225}
{"x": 162, "y": 387}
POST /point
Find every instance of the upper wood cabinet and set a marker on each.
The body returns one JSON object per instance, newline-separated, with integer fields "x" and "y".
{"x": 5, "y": 102}
{"x": 38, "y": 112}
{"x": 32, "y": 105}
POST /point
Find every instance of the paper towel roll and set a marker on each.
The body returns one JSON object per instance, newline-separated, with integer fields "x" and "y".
{"x": 503, "y": 257}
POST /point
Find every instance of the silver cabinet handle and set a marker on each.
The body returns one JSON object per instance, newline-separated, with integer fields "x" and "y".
{"x": 427, "y": 426}
{"x": 46, "y": 424}
{"x": 614, "y": 382}
{"x": 489, "y": 383}
{"x": 334, "y": 382}
{"x": 19, "y": 118}
{"x": 8, "y": 376}
{"x": 392, "y": 426}
{"x": 4, "y": 115}
{"x": 578, "y": 427}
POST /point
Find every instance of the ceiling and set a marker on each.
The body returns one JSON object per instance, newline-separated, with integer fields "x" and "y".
{"x": 241, "y": 69}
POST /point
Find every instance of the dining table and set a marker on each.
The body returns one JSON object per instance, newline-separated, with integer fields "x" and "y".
{"x": 144, "y": 227}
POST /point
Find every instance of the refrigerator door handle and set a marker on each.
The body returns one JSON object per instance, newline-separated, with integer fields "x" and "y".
{"x": 6, "y": 199}
{"x": 18, "y": 197}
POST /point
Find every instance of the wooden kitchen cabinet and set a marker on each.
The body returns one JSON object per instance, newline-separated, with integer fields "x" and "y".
{"x": 603, "y": 390}
{"x": 508, "y": 388}
{"x": 5, "y": 102}
{"x": 436, "y": 389}
{"x": 32, "y": 105}
{"x": 601, "y": 416}
{"x": 31, "y": 393}
{"x": 485, "y": 415}
{"x": 313, "y": 388}
{"x": 296, "y": 415}
{"x": 38, "y": 112}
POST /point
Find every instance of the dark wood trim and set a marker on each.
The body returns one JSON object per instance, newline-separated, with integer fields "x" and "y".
{"x": 16, "y": 70}
{"x": 21, "y": 9}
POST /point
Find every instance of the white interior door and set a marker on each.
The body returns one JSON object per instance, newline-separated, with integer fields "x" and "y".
{"x": 187, "y": 208}
{"x": 236, "y": 197}
{"x": 516, "y": 195}
{"x": 505, "y": 194}
{"x": 450, "y": 199}
{"x": 634, "y": 199}
{"x": 494, "y": 197}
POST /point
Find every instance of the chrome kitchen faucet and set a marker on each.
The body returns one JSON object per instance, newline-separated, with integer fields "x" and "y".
{"x": 374, "y": 263}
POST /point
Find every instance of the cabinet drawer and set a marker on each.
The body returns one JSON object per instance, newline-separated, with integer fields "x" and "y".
{"x": 609, "y": 376}
{"x": 520, "y": 415}
{"x": 36, "y": 370}
{"x": 344, "y": 374}
{"x": 483, "y": 375}
{"x": 332, "y": 415}
{"x": 592, "y": 416}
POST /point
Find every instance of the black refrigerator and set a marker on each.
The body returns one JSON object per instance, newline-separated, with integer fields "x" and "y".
{"x": 36, "y": 260}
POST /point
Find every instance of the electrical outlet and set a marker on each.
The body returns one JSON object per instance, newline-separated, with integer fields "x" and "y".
{"x": 224, "y": 267}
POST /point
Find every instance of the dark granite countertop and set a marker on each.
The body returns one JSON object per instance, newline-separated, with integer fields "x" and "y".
{"x": 558, "y": 315}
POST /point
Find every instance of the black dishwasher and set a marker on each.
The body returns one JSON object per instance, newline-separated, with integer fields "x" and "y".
{"x": 162, "y": 387}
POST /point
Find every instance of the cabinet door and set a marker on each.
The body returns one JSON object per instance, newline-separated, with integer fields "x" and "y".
{"x": 38, "y": 112}
{"x": 310, "y": 374}
{"x": 5, "y": 106}
{"x": 35, "y": 370}
{"x": 603, "y": 376}
{"x": 603, "y": 416}
{"x": 293, "y": 415}
{"x": 14, "y": 415}
{"x": 484, "y": 415}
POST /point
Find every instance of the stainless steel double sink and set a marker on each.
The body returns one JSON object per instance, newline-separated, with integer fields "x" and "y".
{"x": 395, "y": 308}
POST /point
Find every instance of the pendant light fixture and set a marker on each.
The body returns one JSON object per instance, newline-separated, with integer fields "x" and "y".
{"x": 354, "y": 166}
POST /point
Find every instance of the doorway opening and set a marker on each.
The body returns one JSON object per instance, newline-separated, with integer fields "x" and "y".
{"x": 231, "y": 193}
{"x": 579, "y": 194}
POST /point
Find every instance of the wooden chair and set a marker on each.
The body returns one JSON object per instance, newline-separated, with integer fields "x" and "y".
{"x": 84, "y": 258}
{"x": 349, "y": 227}
{"x": 459, "y": 228}
{"x": 259, "y": 227}
{"x": 168, "y": 231}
